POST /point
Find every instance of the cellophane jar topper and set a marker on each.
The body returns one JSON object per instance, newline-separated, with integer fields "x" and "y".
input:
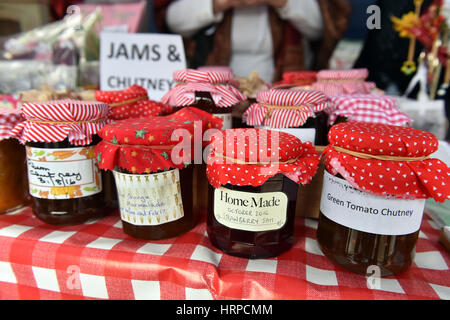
{"x": 65, "y": 182}
{"x": 152, "y": 162}
{"x": 13, "y": 164}
{"x": 375, "y": 185}
{"x": 209, "y": 90}
{"x": 254, "y": 176}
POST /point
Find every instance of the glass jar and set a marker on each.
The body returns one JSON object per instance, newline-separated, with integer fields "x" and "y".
{"x": 13, "y": 176}
{"x": 251, "y": 207}
{"x": 268, "y": 239}
{"x": 65, "y": 183}
{"x": 152, "y": 210}
{"x": 375, "y": 184}
{"x": 298, "y": 112}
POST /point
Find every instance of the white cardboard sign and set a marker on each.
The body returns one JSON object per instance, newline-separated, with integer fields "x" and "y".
{"x": 148, "y": 60}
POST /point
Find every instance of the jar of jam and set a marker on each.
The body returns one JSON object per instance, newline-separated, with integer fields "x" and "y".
{"x": 366, "y": 108}
{"x": 65, "y": 183}
{"x": 208, "y": 90}
{"x": 376, "y": 181}
{"x": 13, "y": 165}
{"x": 298, "y": 112}
{"x": 254, "y": 176}
{"x": 151, "y": 159}
{"x": 337, "y": 82}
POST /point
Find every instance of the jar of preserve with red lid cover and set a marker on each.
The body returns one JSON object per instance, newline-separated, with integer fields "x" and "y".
{"x": 208, "y": 90}
{"x": 151, "y": 159}
{"x": 13, "y": 164}
{"x": 298, "y": 112}
{"x": 65, "y": 183}
{"x": 375, "y": 185}
{"x": 254, "y": 176}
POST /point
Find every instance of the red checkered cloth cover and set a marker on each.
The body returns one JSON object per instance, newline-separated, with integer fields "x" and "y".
{"x": 367, "y": 108}
{"x": 336, "y": 82}
{"x": 98, "y": 261}
{"x": 9, "y": 118}
{"x": 217, "y": 83}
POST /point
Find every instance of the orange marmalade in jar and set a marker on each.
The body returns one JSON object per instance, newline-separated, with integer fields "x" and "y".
{"x": 254, "y": 176}
{"x": 376, "y": 181}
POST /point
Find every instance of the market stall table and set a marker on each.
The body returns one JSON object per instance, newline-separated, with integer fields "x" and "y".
{"x": 97, "y": 260}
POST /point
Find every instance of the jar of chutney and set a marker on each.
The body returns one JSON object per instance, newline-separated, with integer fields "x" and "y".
{"x": 298, "y": 112}
{"x": 151, "y": 159}
{"x": 208, "y": 90}
{"x": 65, "y": 183}
{"x": 13, "y": 164}
{"x": 376, "y": 181}
{"x": 254, "y": 176}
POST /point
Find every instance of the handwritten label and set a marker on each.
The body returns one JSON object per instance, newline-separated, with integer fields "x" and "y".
{"x": 361, "y": 211}
{"x": 227, "y": 120}
{"x": 149, "y": 199}
{"x": 63, "y": 173}
{"x": 148, "y": 60}
{"x": 250, "y": 211}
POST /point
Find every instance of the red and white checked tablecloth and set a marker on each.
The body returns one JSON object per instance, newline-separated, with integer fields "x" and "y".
{"x": 98, "y": 261}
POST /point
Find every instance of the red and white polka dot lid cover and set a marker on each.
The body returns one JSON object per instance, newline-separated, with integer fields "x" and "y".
{"x": 425, "y": 178}
{"x": 251, "y": 156}
{"x": 269, "y": 111}
{"x": 217, "y": 83}
{"x": 132, "y": 102}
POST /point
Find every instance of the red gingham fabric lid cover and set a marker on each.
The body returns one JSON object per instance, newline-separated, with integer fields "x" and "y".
{"x": 217, "y": 83}
{"x": 9, "y": 118}
{"x": 127, "y": 144}
{"x": 427, "y": 178}
{"x": 259, "y": 113}
{"x": 367, "y": 108}
{"x": 296, "y": 160}
{"x": 136, "y": 109}
{"x": 335, "y": 82}
{"x": 54, "y": 121}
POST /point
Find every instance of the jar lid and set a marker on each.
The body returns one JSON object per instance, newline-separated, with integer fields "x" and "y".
{"x": 387, "y": 160}
{"x": 336, "y": 82}
{"x": 9, "y": 118}
{"x": 132, "y": 102}
{"x": 251, "y": 156}
{"x": 54, "y": 121}
{"x": 367, "y": 108}
{"x": 299, "y": 77}
{"x": 145, "y": 145}
{"x": 284, "y": 108}
{"x": 217, "y": 83}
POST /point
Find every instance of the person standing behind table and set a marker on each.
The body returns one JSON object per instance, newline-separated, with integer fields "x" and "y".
{"x": 303, "y": 33}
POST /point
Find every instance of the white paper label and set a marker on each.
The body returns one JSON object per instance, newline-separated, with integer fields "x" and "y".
{"x": 227, "y": 120}
{"x": 361, "y": 211}
{"x": 304, "y": 134}
{"x": 63, "y": 173}
{"x": 250, "y": 211}
{"x": 149, "y": 199}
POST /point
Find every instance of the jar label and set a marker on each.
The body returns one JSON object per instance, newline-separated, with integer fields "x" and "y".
{"x": 250, "y": 211}
{"x": 227, "y": 120}
{"x": 361, "y": 211}
{"x": 304, "y": 134}
{"x": 63, "y": 173}
{"x": 149, "y": 199}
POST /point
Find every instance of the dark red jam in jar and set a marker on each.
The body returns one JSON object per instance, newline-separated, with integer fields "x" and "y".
{"x": 298, "y": 112}
{"x": 254, "y": 176}
{"x": 376, "y": 181}
{"x": 13, "y": 165}
{"x": 151, "y": 161}
{"x": 65, "y": 183}
{"x": 208, "y": 90}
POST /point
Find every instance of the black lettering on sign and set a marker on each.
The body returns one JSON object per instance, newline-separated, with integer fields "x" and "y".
{"x": 135, "y": 51}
